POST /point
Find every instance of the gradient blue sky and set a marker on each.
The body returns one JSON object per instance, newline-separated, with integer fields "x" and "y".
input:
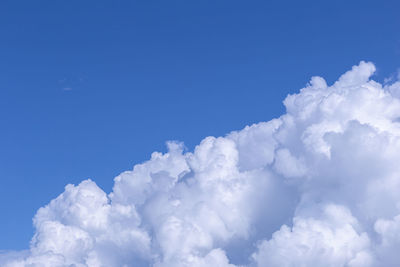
{"x": 89, "y": 88}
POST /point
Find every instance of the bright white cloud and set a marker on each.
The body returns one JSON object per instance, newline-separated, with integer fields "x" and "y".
{"x": 331, "y": 239}
{"x": 318, "y": 186}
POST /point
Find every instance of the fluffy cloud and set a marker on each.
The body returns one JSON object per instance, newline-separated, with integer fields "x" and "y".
{"x": 318, "y": 186}
{"x": 332, "y": 239}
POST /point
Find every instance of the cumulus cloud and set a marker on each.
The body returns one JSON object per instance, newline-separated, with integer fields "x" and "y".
{"x": 331, "y": 239}
{"x": 318, "y": 186}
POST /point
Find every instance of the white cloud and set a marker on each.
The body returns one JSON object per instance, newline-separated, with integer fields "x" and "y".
{"x": 329, "y": 240}
{"x": 318, "y": 186}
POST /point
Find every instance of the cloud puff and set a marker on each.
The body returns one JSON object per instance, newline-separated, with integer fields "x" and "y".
{"x": 318, "y": 186}
{"x": 331, "y": 239}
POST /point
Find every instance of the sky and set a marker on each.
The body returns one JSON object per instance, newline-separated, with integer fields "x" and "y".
{"x": 88, "y": 89}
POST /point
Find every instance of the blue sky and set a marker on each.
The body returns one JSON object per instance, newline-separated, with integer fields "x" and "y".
{"x": 90, "y": 88}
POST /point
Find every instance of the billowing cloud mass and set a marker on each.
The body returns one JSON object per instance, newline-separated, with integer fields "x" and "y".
{"x": 318, "y": 186}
